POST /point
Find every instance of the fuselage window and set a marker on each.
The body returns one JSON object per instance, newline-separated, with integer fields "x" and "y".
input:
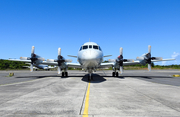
{"x": 90, "y": 46}
{"x": 80, "y": 48}
{"x": 95, "y": 47}
{"x": 85, "y": 47}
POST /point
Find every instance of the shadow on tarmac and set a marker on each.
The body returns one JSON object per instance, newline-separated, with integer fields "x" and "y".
{"x": 96, "y": 78}
{"x": 36, "y": 77}
{"x": 146, "y": 77}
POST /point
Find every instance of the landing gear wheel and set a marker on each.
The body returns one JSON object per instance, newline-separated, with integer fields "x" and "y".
{"x": 117, "y": 74}
{"x": 62, "y": 74}
{"x": 89, "y": 79}
{"x": 66, "y": 74}
{"x": 113, "y": 74}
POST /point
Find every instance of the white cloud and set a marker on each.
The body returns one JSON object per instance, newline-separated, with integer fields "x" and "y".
{"x": 175, "y": 55}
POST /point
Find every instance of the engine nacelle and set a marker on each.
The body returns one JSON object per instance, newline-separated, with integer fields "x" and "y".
{"x": 143, "y": 62}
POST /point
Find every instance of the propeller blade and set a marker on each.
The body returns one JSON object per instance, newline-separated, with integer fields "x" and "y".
{"x": 50, "y": 60}
{"x": 31, "y": 68}
{"x": 149, "y": 67}
{"x": 121, "y": 51}
{"x": 59, "y": 51}
{"x": 149, "y": 49}
{"x": 59, "y": 70}
{"x": 24, "y": 58}
{"x": 140, "y": 58}
{"x": 32, "y": 50}
{"x": 121, "y": 69}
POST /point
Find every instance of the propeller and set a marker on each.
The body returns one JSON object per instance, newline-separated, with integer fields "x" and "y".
{"x": 120, "y": 60}
{"x": 59, "y": 60}
{"x": 147, "y": 58}
{"x": 33, "y": 58}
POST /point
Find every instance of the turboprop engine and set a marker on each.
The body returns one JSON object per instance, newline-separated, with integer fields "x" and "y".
{"x": 146, "y": 58}
{"x": 35, "y": 59}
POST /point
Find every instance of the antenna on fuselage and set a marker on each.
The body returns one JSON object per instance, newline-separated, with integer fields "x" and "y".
{"x": 89, "y": 40}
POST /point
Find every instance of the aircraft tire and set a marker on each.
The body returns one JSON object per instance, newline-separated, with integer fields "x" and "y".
{"x": 113, "y": 74}
{"x": 117, "y": 74}
{"x": 66, "y": 74}
{"x": 62, "y": 74}
{"x": 89, "y": 79}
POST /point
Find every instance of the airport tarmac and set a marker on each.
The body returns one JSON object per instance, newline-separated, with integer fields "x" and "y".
{"x": 136, "y": 93}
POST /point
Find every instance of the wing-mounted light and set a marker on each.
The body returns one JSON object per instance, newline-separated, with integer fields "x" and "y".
{"x": 146, "y": 58}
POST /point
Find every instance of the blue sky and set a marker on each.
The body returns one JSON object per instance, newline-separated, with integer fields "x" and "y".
{"x": 49, "y": 24}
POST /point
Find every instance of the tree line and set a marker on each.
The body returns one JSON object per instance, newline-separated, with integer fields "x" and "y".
{"x": 5, "y": 64}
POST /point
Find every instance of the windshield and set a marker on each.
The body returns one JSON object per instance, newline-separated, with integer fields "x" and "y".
{"x": 85, "y": 47}
{"x": 100, "y": 48}
{"x": 90, "y": 46}
{"x": 80, "y": 48}
{"x": 95, "y": 47}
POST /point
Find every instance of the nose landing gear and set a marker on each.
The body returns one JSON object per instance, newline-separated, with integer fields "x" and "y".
{"x": 90, "y": 77}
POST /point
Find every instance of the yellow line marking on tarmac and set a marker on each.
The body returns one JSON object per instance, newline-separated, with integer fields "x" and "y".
{"x": 85, "y": 114}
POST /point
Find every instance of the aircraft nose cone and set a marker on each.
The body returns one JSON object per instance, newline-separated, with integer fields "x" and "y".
{"x": 88, "y": 55}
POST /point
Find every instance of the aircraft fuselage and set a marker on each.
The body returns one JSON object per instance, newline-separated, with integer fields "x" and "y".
{"x": 90, "y": 56}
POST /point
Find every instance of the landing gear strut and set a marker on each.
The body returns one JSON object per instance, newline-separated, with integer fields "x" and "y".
{"x": 90, "y": 77}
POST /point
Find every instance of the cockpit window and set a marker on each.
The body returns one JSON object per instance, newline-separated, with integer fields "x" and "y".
{"x": 100, "y": 48}
{"x": 85, "y": 47}
{"x": 95, "y": 47}
{"x": 80, "y": 48}
{"x": 90, "y": 46}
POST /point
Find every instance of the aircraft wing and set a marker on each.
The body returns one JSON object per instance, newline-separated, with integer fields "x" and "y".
{"x": 27, "y": 61}
{"x": 74, "y": 65}
{"x": 138, "y": 62}
{"x": 104, "y": 65}
{"x": 162, "y": 60}
{"x": 49, "y": 63}
{"x": 111, "y": 64}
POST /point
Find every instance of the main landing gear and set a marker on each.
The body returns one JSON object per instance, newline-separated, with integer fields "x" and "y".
{"x": 115, "y": 74}
{"x": 65, "y": 74}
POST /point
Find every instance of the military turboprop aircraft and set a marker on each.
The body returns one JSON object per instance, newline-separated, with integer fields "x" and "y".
{"x": 90, "y": 58}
